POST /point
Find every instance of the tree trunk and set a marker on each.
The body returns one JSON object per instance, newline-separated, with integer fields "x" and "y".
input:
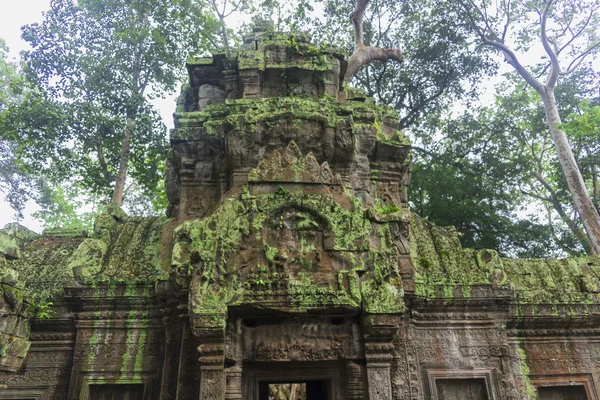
{"x": 225, "y": 37}
{"x": 121, "y": 177}
{"x": 579, "y": 194}
{"x": 595, "y": 183}
{"x": 583, "y": 239}
{"x": 553, "y": 198}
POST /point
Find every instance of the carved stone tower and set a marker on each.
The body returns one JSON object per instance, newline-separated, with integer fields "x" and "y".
{"x": 291, "y": 198}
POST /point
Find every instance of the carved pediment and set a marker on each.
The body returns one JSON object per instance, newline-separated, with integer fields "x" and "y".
{"x": 289, "y": 251}
{"x": 292, "y": 166}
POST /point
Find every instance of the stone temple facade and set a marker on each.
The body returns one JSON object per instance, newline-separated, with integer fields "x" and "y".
{"x": 287, "y": 259}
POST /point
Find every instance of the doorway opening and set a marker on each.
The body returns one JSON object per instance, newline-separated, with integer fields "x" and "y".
{"x": 116, "y": 392}
{"x": 303, "y": 390}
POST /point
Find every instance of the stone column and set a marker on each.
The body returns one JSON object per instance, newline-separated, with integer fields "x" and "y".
{"x": 379, "y": 359}
{"x": 173, "y": 334}
{"x": 210, "y": 331}
{"x": 187, "y": 378}
{"x": 212, "y": 369}
{"x": 233, "y": 389}
{"x": 379, "y": 331}
{"x": 355, "y": 378}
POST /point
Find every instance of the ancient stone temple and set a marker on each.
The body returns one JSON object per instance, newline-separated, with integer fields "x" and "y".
{"x": 288, "y": 267}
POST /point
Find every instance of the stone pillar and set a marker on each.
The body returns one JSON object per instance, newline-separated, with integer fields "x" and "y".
{"x": 173, "y": 328}
{"x": 210, "y": 331}
{"x": 355, "y": 378}
{"x": 233, "y": 389}
{"x": 212, "y": 369}
{"x": 379, "y": 359}
{"x": 173, "y": 339}
{"x": 187, "y": 378}
{"x": 379, "y": 331}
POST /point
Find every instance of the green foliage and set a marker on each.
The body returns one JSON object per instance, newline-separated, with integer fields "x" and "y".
{"x": 16, "y": 184}
{"x": 464, "y": 180}
{"x": 11, "y": 81}
{"x": 43, "y": 311}
{"x": 441, "y": 64}
{"x": 282, "y": 191}
{"x": 482, "y": 171}
{"x": 97, "y": 64}
{"x": 566, "y": 34}
{"x": 65, "y": 208}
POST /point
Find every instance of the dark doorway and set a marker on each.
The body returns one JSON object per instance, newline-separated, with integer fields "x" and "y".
{"x": 562, "y": 393}
{"x": 461, "y": 389}
{"x": 307, "y": 390}
{"x": 116, "y": 392}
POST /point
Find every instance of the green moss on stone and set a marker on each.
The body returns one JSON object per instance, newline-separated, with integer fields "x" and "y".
{"x": 215, "y": 239}
{"x": 440, "y": 260}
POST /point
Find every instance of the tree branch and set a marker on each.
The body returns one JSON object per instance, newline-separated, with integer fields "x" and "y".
{"x": 579, "y": 32}
{"x": 364, "y": 55}
{"x": 102, "y": 161}
{"x": 583, "y": 239}
{"x": 506, "y": 25}
{"x": 580, "y": 58}
{"x": 535, "y": 196}
{"x": 512, "y": 59}
{"x": 555, "y": 68}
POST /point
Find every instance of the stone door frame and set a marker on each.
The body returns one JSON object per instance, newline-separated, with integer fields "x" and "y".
{"x": 331, "y": 372}
{"x": 25, "y": 392}
{"x": 87, "y": 378}
{"x": 585, "y": 380}
{"x": 488, "y": 375}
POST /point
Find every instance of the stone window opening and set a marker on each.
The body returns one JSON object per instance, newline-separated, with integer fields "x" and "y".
{"x": 473, "y": 384}
{"x": 461, "y": 389}
{"x": 116, "y": 392}
{"x": 564, "y": 387}
{"x": 575, "y": 392}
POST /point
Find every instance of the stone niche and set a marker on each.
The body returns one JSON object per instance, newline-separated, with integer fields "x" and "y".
{"x": 288, "y": 262}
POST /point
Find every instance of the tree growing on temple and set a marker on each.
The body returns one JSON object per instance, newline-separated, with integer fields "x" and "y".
{"x": 441, "y": 63}
{"x": 364, "y": 54}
